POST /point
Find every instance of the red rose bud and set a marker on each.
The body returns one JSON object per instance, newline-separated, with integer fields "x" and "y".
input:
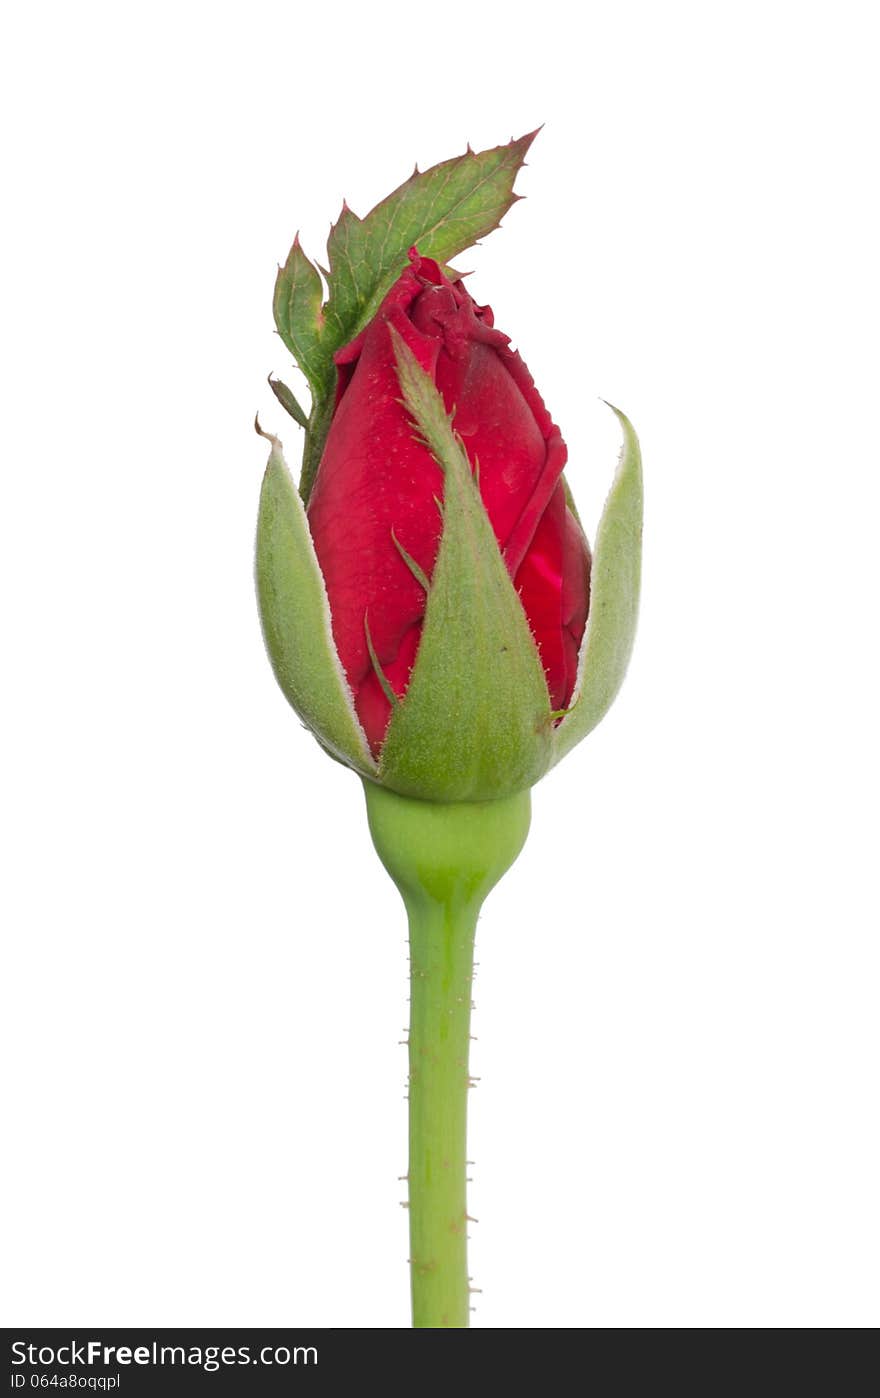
{"x": 428, "y": 619}
{"x": 373, "y": 511}
{"x": 424, "y": 597}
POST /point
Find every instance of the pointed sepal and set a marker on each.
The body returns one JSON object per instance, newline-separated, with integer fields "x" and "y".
{"x": 614, "y": 600}
{"x": 295, "y": 615}
{"x": 289, "y": 402}
{"x": 474, "y": 724}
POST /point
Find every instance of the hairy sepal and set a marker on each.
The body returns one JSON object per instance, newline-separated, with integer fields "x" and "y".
{"x": 295, "y": 616}
{"x": 614, "y": 600}
{"x": 475, "y": 723}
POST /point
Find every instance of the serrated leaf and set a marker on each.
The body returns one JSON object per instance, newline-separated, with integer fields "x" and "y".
{"x": 442, "y": 210}
{"x": 474, "y": 724}
{"x": 614, "y": 600}
{"x": 300, "y": 319}
{"x": 296, "y": 621}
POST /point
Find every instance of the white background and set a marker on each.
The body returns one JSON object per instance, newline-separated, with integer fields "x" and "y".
{"x": 676, "y": 1123}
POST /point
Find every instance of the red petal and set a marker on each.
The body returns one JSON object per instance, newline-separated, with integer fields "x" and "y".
{"x": 553, "y": 584}
{"x": 544, "y": 490}
{"x": 539, "y": 584}
{"x": 576, "y": 563}
{"x": 371, "y": 702}
{"x": 374, "y": 477}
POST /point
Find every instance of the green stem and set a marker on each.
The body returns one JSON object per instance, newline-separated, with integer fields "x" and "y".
{"x": 444, "y": 859}
{"x": 316, "y": 436}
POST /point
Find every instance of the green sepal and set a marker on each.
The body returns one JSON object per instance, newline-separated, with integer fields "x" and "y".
{"x": 384, "y": 684}
{"x": 614, "y": 600}
{"x": 418, "y": 573}
{"x": 474, "y": 724}
{"x": 288, "y": 401}
{"x": 295, "y": 615}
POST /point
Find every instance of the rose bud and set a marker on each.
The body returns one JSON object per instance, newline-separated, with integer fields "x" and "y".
{"x": 429, "y": 620}
{"x": 374, "y": 499}
{"x": 431, "y": 611}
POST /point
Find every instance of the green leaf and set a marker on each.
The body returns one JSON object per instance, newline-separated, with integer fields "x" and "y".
{"x": 614, "y": 600}
{"x": 474, "y": 724}
{"x": 300, "y": 319}
{"x": 288, "y": 401}
{"x": 296, "y": 621}
{"x": 442, "y": 211}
